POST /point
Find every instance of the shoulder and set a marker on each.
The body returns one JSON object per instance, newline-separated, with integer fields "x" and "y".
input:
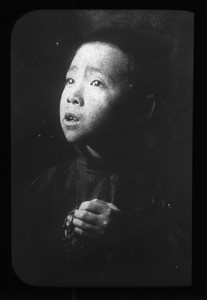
{"x": 36, "y": 191}
{"x": 52, "y": 175}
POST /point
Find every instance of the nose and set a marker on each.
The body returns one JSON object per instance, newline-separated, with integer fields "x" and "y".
{"x": 76, "y": 99}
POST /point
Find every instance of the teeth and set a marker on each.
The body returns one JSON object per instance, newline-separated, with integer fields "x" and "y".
{"x": 71, "y": 118}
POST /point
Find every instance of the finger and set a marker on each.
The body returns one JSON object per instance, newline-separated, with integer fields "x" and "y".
{"x": 85, "y": 226}
{"x": 80, "y": 231}
{"x": 87, "y": 216}
{"x": 85, "y": 205}
{"x": 83, "y": 233}
{"x": 95, "y": 206}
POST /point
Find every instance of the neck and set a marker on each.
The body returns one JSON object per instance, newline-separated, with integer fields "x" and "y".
{"x": 111, "y": 153}
{"x": 95, "y": 158}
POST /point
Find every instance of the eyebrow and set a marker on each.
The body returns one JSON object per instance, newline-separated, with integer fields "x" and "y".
{"x": 94, "y": 69}
{"x": 72, "y": 68}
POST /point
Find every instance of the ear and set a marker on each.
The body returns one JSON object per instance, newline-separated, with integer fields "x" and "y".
{"x": 146, "y": 109}
{"x": 151, "y": 102}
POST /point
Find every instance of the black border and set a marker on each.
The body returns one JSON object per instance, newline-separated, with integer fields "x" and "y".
{"x": 13, "y": 288}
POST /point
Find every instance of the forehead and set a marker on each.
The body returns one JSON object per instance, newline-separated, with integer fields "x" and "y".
{"x": 105, "y": 56}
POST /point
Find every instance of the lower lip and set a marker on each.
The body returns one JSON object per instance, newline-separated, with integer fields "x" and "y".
{"x": 71, "y": 124}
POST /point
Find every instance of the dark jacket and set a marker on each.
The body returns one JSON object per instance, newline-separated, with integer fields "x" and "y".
{"x": 150, "y": 246}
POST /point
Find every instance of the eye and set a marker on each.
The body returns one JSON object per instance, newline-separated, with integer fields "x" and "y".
{"x": 69, "y": 81}
{"x": 96, "y": 83}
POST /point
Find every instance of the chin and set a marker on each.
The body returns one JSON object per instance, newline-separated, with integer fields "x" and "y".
{"x": 75, "y": 138}
{"x": 72, "y": 139}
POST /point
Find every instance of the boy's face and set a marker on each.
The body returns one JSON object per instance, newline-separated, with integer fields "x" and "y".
{"x": 95, "y": 82}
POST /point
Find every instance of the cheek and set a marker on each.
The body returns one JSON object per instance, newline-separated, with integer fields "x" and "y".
{"x": 96, "y": 108}
{"x": 61, "y": 109}
{"x": 100, "y": 98}
{"x": 62, "y": 102}
{"x": 98, "y": 114}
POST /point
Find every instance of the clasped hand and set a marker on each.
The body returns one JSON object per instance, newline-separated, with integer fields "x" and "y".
{"x": 94, "y": 218}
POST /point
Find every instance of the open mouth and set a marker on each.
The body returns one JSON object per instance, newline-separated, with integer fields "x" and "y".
{"x": 71, "y": 118}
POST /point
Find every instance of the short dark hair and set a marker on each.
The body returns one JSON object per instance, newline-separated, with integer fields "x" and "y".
{"x": 142, "y": 49}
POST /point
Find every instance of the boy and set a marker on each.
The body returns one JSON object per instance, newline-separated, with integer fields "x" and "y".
{"x": 92, "y": 221}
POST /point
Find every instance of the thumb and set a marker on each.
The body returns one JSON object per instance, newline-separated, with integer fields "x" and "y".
{"x": 113, "y": 207}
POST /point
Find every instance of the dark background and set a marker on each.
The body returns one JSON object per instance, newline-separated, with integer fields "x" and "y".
{"x": 178, "y": 25}
{"x": 33, "y": 37}
{"x": 40, "y": 47}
